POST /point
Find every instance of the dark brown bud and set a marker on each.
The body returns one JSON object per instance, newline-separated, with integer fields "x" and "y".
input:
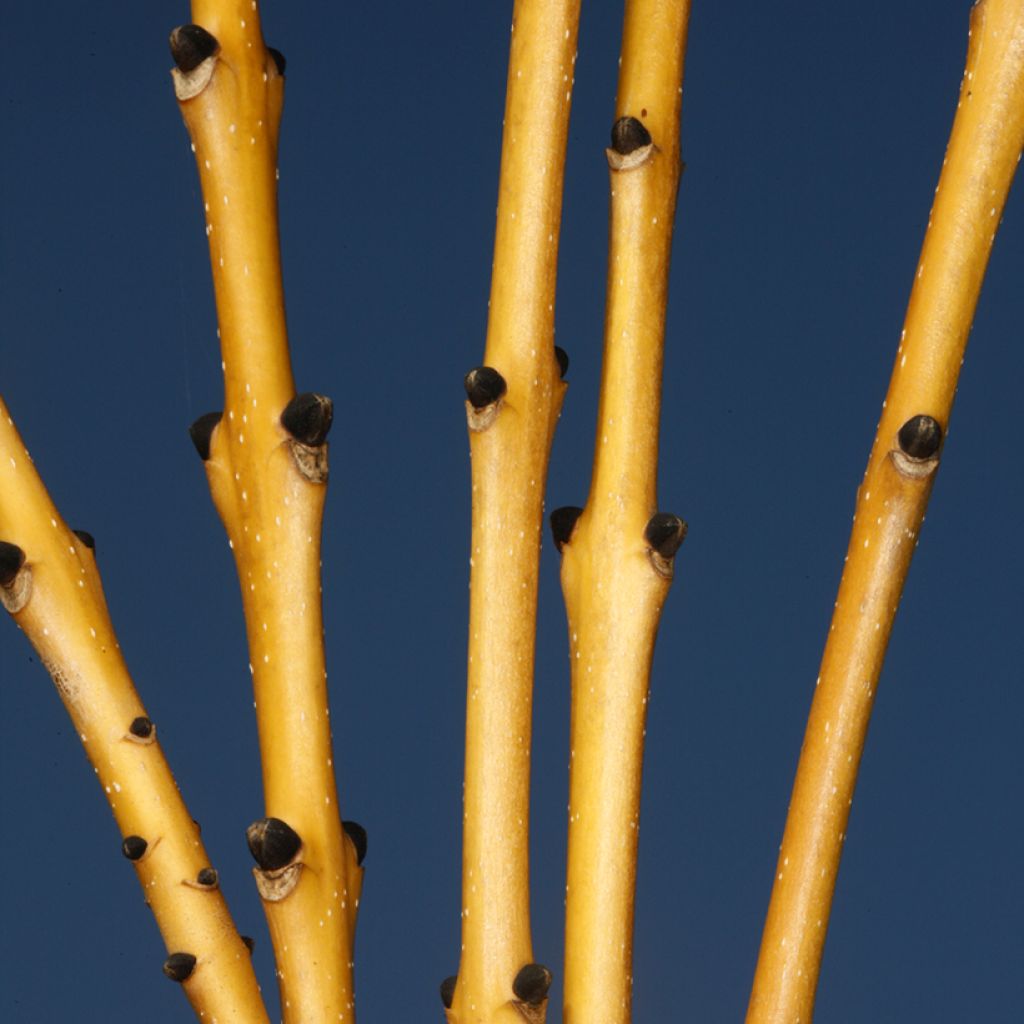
{"x": 629, "y": 134}
{"x": 141, "y": 727}
{"x": 448, "y": 991}
{"x": 273, "y": 843}
{"x": 532, "y": 983}
{"x": 191, "y": 45}
{"x": 278, "y": 58}
{"x": 179, "y": 966}
{"x": 201, "y": 431}
{"x": 562, "y": 358}
{"x": 563, "y": 522}
{"x": 484, "y": 386}
{"x": 357, "y": 834}
{"x": 307, "y": 417}
{"x": 207, "y": 878}
{"x": 134, "y": 847}
{"x": 920, "y": 437}
{"x": 12, "y": 558}
{"x": 665, "y": 532}
{"x": 86, "y": 538}
{"x": 250, "y": 942}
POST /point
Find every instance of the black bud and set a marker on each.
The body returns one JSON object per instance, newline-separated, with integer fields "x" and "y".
{"x": 665, "y": 532}
{"x": 532, "y": 984}
{"x": 563, "y": 361}
{"x": 307, "y": 418}
{"x": 134, "y": 847}
{"x": 207, "y": 878}
{"x": 250, "y": 942}
{"x": 920, "y": 437}
{"x": 141, "y": 727}
{"x": 201, "y": 432}
{"x": 179, "y": 966}
{"x": 484, "y": 385}
{"x": 629, "y": 134}
{"x": 12, "y": 558}
{"x": 86, "y": 538}
{"x": 357, "y": 834}
{"x": 191, "y": 45}
{"x": 448, "y": 991}
{"x": 563, "y": 522}
{"x": 273, "y": 843}
{"x": 278, "y": 58}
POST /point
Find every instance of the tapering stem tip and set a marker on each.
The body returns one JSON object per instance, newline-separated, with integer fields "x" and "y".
{"x": 484, "y": 386}
{"x": 179, "y": 966}
{"x": 191, "y": 45}
{"x": 563, "y": 522}
{"x": 12, "y": 558}
{"x": 562, "y": 357}
{"x": 201, "y": 431}
{"x": 357, "y": 834}
{"x": 273, "y": 843}
{"x": 920, "y": 437}
{"x": 629, "y": 134}
{"x": 448, "y": 991}
{"x": 86, "y": 538}
{"x": 134, "y": 847}
{"x": 308, "y": 417}
{"x": 532, "y": 983}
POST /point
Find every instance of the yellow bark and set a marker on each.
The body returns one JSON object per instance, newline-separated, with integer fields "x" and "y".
{"x": 56, "y": 598}
{"x": 984, "y": 148}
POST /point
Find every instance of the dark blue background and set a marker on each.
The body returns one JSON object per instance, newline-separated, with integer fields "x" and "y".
{"x": 813, "y": 136}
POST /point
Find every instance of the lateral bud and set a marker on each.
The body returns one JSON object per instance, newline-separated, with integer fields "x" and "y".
{"x": 357, "y": 834}
{"x": 134, "y": 847}
{"x": 308, "y": 417}
{"x": 664, "y": 534}
{"x": 86, "y": 538}
{"x": 563, "y": 522}
{"x": 448, "y": 991}
{"x": 562, "y": 358}
{"x": 179, "y": 966}
{"x": 192, "y": 49}
{"x": 273, "y": 843}
{"x": 485, "y": 389}
{"x": 278, "y": 58}
{"x": 531, "y": 984}
{"x": 141, "y": 731}
{"x": 631, "y": 144}
{"x": 15, "y": 577}
{"x": 201, "y": 433}
{"x": 918, "y": 443}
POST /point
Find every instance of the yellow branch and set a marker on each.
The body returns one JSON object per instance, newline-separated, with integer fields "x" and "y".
{"x": 984, "y": 147}
{"x": 266, "y": 462}
{"x": 618, "y": 555}
{"x": 50, "y": 584}
{"x": 513, "y": 406}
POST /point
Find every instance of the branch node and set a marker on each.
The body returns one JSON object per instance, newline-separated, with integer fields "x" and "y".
{"x": 308, "y": 417}
{"x": 531, "y": 986}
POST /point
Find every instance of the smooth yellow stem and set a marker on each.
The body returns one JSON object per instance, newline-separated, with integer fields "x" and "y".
{"x": 612, "y": 588}
{"x": 64, "y": 615}
{"x": 509, "y": 467}
{"x": 984, "y": 147}
{"x": 271, "y": 510}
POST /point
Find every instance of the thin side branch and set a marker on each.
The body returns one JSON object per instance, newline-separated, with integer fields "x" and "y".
{"x": 266, "y": 462}
{"x": 984, "y": 148}
{"x": 618, "y": 554}
{"x": 512, "y": 408}
{"x": 50, "y": 584}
